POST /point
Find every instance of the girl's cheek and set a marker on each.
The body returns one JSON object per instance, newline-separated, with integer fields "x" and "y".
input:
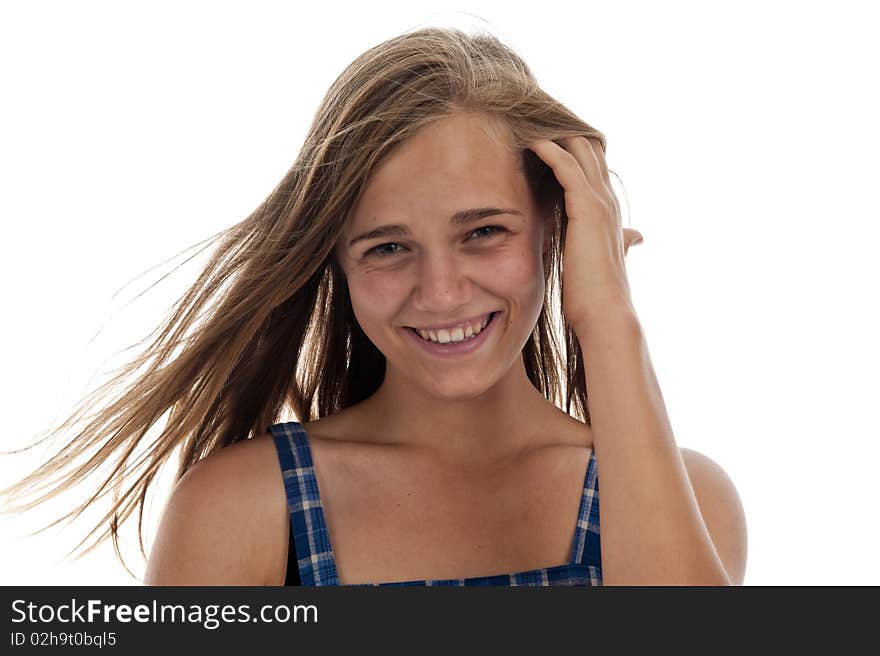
{"x": 520, "y": 275}
{"x": 375, "y": 289}
{"x": 518, "y": 267}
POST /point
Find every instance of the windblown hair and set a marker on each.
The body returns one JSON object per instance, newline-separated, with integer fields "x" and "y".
{"x": 268, "y": 327}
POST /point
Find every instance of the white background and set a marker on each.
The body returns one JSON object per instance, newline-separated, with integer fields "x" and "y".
{"x": 745, "y": 134}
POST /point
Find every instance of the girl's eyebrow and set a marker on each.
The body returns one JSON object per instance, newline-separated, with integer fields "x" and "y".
{"x": 459, "y": 218}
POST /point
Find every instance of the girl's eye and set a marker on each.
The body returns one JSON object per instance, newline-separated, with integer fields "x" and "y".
{"x": 380, "y": 250}
{"x": 377, "y": 250}
{"x": 494, "y": 229}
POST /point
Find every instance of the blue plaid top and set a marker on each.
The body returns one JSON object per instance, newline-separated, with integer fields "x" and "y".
{"x": 314, "y": 554}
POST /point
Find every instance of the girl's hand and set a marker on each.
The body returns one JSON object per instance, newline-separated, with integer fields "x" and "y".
{"x": 594, "y": 277}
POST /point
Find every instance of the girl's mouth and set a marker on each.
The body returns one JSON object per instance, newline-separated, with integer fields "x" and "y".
{"x": 459, "y": 342}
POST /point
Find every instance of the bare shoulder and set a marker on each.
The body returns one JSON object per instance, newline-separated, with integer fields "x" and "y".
{"x": 225, "y": 522}
{"x": 722, "y": 511}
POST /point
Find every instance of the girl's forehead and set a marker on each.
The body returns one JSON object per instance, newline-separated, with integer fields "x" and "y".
{"x": 437, "y": 186}
{"x": 452, "y": 147}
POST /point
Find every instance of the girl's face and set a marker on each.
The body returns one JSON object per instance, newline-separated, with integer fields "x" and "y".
{"x": 425, "y": 249}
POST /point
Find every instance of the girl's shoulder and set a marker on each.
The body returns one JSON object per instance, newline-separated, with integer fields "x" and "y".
{"x": 226, "y": 521}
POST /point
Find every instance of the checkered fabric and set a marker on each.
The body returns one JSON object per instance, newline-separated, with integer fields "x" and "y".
{"x": 315, "y": 554}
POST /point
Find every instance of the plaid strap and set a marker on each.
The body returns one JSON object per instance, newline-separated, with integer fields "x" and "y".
{"x": 312, "y": 541}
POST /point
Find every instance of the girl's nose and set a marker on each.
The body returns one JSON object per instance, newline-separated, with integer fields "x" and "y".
{"x": 441, "y": 285}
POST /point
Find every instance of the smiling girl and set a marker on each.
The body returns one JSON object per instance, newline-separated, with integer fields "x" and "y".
{"x": 398, "y": 294}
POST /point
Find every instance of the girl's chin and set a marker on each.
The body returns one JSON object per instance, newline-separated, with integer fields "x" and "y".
{"x": 450, "y": 386}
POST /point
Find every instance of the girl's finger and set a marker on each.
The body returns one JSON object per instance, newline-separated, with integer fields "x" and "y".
{"x": 565, "y": 166}
{"x": 631, "y": 237}
{"x": 582, "y": 152}
{"x": 600, "y": 158}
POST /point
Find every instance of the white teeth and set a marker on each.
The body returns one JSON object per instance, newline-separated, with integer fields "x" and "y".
{"x": 458, "y": 334}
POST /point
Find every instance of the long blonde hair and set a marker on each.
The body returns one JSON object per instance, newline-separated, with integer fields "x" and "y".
{"x": 267, "y": 328}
